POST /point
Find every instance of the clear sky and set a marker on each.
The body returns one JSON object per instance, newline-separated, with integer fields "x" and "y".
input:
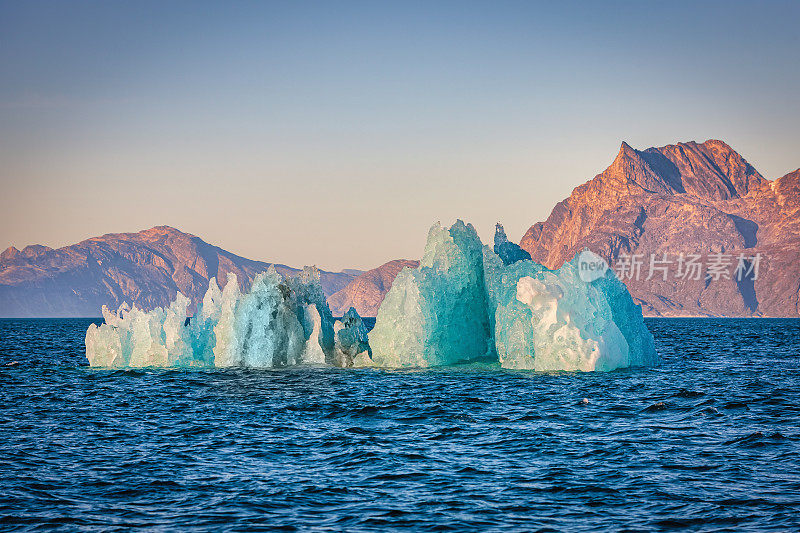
{"x": 336, "y": 133}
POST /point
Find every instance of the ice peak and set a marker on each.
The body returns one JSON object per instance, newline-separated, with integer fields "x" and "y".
{"x": 508, "y": 251}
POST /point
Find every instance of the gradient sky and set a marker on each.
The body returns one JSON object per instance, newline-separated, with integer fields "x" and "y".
{"x": 337, "y": 133}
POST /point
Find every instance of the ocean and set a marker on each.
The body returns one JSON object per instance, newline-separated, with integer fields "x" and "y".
{"x": 707, "y": 441}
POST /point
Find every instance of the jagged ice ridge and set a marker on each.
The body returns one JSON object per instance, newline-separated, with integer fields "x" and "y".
{"x": 276, "y": 323}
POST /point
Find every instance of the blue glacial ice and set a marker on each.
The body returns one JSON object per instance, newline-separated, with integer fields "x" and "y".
{"x": 508, "y": 251}
{"x": 352, "y": 341}
{"x": 435, "y": 314}
{"x": 276, "y": 323}
{"x": 467, "y": 302}
{"x": 554, "y": 320}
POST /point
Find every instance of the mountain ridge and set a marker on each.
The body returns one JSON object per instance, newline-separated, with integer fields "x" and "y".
{"x": 683, "y": 198}
{"x": 146, "y": 268}
{"x": 679, "y": 199}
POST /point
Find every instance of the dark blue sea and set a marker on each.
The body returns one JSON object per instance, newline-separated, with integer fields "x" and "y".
{"x": 708, "y": 441}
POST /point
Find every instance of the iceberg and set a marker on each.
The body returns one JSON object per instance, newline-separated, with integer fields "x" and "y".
{"x": 276, "y": 323}
{"x": 352, "y": 341}
{"x": 551, "y": 320}
{"x": 134, "y": 338}
{"x": 466, "y": 303}
{"x": 435, "y": 314}
{"x": 260, "y": 328}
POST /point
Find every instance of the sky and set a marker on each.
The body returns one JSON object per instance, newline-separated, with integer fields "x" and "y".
{"x": 336, "y": 133}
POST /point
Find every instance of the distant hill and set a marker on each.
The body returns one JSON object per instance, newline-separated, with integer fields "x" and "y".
{"x": 147, "y": 268}
{"x": 692, "y": 199}
{"x": 366, "y": 292}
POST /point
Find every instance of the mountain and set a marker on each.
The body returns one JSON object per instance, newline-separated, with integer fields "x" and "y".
{"x": 146, "y": 268}
{"x": 366, "y": 292}
{"x": 700, "y": 200}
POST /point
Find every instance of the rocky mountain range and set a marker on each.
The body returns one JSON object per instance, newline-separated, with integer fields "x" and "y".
{"x": 691, "y": 228}
{"x": 146, "y": 268}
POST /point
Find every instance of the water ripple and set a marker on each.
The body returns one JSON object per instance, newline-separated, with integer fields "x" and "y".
{"x": 710, "y": 440}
